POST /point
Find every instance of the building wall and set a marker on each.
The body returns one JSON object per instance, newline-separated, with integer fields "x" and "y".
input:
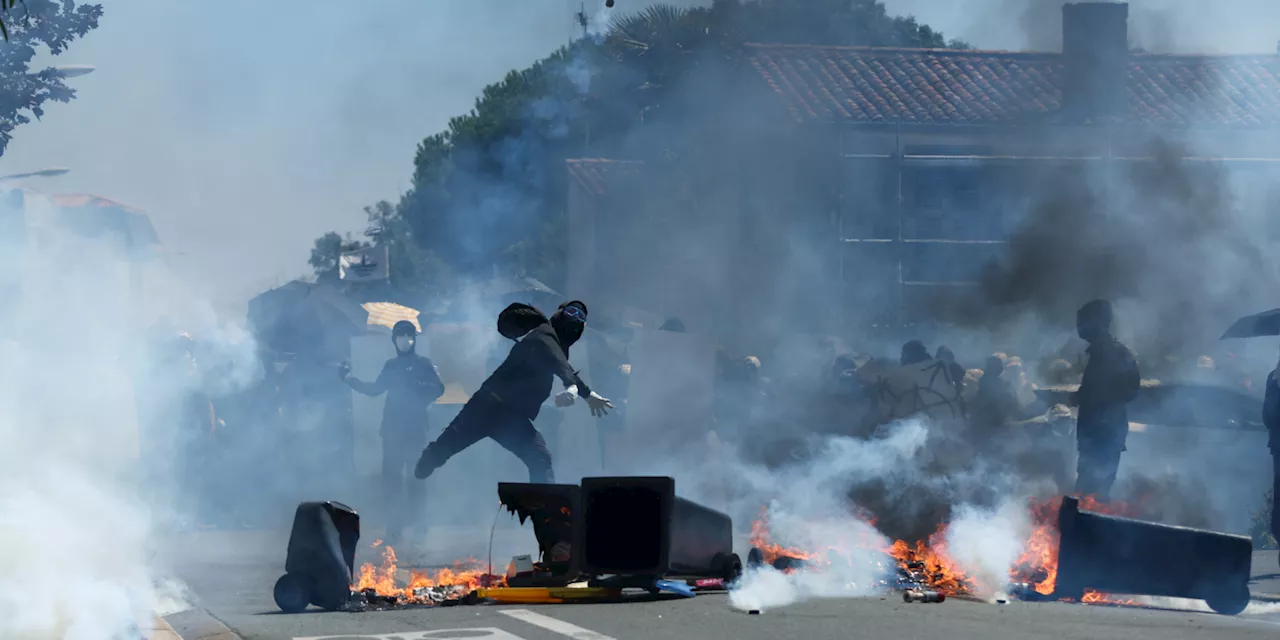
{"x": 922, "y": 209}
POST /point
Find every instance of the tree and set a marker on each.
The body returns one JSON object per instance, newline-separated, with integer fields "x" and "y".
{"x": 327, "y": 252}
{"x": 52, "y": 24}
{"x": 491, "y": 189}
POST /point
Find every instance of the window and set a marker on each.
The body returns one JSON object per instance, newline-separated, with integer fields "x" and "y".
{"x": 868, "y": 198}
{"x": 870, "y": 282}
{"x": 949, "y": 202}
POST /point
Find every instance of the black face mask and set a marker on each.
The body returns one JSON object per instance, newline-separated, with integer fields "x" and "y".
{"x": 568, "y": 330}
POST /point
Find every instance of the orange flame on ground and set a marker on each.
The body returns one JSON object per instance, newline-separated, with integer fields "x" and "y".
{"x": 1037, "y": 565}
{"x": 384, "y": 579}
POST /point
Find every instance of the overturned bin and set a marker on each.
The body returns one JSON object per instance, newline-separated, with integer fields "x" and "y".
{"x": 636, "y": 526}
{"x": 320, "y": 560}
{"x": 552, "y": 509}
{"x": 1121, "y": 555}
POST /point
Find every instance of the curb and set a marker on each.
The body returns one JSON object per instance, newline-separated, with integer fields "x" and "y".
{"x": 193, "y": 624}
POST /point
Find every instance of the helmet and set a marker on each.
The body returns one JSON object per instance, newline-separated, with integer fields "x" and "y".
{"x": 404, "y": 328}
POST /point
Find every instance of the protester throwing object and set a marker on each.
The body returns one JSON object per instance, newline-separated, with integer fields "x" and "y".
{"x": 507, "y": 403}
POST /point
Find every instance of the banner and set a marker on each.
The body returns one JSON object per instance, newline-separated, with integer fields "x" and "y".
{"x": 921, "y": 389}
{"x": 366, "y": 265}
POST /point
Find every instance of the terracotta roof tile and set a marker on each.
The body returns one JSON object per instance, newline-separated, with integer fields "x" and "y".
{"x": 926, "y": 86}
{"x": 595, "y": 174}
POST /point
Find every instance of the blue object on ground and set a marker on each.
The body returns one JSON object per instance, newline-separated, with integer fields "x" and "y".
{"x": 672, "y": 586}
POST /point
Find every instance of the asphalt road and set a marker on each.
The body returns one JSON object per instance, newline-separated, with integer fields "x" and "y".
{"x": 231, "y": 576}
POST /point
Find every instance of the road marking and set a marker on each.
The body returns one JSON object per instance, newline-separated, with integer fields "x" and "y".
{"x": 468, "y": 633}
{"x": 552, "y": 624}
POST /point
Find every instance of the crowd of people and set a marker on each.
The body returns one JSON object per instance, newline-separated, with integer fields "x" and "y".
{"x": 306, "y": 404}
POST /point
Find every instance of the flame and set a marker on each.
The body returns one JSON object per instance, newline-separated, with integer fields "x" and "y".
{"x": 465, "y": 576}
{"x": 760, "y": 540}
{"x": 929, "y": 558}
{"x": 1037, "y": 565}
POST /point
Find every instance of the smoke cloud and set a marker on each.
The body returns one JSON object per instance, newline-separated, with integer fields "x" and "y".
{"x": 81, "y": 508}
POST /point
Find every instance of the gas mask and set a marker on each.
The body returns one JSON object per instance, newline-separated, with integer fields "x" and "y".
{"x": 404, "y": 344}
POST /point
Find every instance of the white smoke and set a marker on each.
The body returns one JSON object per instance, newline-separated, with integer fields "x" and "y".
{"x": 986, "y": 543}
{"x": 851, "y": 563}
{"x": 78, "y": 539}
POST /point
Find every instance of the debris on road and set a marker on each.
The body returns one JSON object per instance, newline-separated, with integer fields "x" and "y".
{"x": 923, "y": 595}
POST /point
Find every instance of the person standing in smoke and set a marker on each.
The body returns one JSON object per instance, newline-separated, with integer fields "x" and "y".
{"x": 1111, "y": 379}
{"x": 508, "y": 402}
{"x": 411, "y": 383}
{"x": 913, "y": 352}
{"x": 1271, "y": 418}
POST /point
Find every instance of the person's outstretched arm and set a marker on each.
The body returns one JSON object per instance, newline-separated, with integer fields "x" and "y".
{"x": 371, "y": 389}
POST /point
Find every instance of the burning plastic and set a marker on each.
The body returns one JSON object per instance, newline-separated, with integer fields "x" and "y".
{"x": 379, "y": 587}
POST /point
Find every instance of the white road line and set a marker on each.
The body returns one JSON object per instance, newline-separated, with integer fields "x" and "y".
{"x": 552, "y": 624}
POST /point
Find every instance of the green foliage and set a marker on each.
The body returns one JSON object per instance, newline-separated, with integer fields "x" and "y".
{"x": 30, "y": 25}
{"x": 328, "y": 250}
{"x": 490, "y": 190}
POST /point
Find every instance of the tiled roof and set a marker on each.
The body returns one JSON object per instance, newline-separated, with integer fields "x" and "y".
{"x": 596, "y": 174}
{"x": 926, "y": 86}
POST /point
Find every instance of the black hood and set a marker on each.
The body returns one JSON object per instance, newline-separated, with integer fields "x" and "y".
{"x": 518, "y": 319}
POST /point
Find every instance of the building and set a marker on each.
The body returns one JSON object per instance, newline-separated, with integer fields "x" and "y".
{"x": 920, "y": 160}
{"x": 84, "y": 236}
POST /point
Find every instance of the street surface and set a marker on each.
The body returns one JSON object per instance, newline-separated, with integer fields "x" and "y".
{"x": 231, "y": 575}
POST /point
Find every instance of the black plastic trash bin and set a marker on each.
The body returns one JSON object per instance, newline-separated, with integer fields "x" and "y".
{"x": 1121, "y": 555}
{"x": 552, "y": 508}
{"x": 636, "y": 526}
{"x": 321, "y": 557}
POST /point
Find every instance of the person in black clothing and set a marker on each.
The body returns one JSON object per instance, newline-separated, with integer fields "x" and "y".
{"x": 411, "y": 383}
{"x": 508, "y": 402}
{"x": 1111, "y": 380}
{"x": 1271, "y": 418}
{"x": 913, "y": 352}
{"x": 954, "y": 370}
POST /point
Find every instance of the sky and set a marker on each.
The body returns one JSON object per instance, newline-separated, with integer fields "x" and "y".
{"x": 247, "y": 129}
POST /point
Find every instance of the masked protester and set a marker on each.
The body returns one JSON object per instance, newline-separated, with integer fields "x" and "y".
{"x": 1271, "y": 418}
{"x": 1111, "y": 380}
{"x": 508, "y": 402}
{"x": 411, "y": 383}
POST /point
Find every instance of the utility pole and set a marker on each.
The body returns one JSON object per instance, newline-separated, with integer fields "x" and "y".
{"x": 583, "y": 21}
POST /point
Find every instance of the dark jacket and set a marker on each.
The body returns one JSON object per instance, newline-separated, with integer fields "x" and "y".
{"x": 411, "y": 383}
{"x": 1111, "y": 380}
{"x": 523, "y": 381}
{"x": 1271, "y": 413}
{"x": 994, "y": 404}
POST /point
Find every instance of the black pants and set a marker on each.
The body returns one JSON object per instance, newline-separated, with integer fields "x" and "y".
{"x": 1275, "y": 494}
{"x": 1096, "y": 471}
{"x": 402, "y": 496}
{"x": 485, "y": 417}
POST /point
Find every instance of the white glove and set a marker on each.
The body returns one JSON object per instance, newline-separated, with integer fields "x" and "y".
{"x": 599, "y": 405}
{"x": 565, "y": 398}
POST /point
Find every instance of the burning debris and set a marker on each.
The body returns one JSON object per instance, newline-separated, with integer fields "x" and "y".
{"x": 926, "y": 567}
{"x": 384, "y": 587}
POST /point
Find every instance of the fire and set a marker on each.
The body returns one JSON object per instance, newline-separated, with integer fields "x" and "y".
{"x": 1037, "y": 566}
{"x": 384, "y": 579}
{"x": 760, "y": 540}
{"x": 929, "y": 557}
